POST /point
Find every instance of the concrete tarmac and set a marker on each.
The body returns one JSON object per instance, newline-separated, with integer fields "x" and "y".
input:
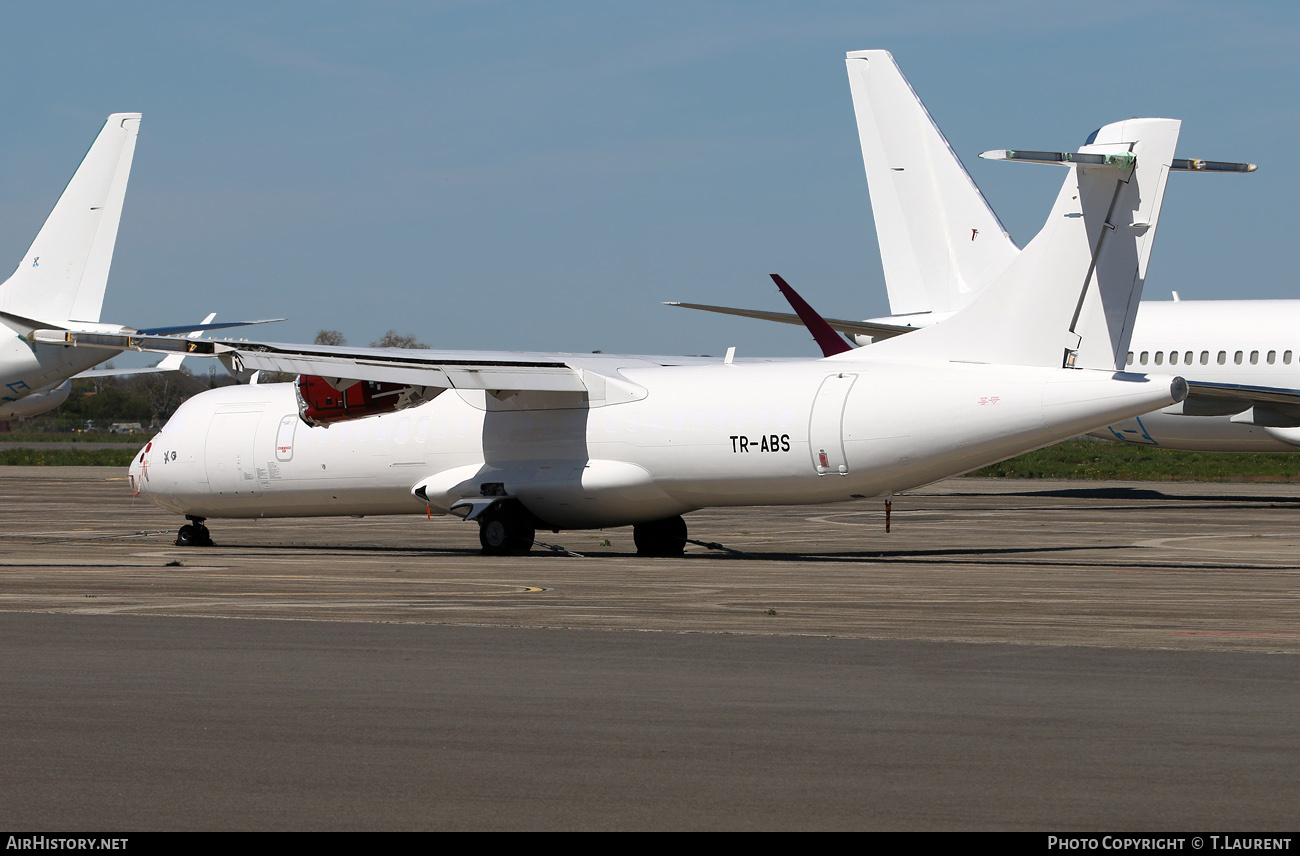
{"x": 1013, "y": 655}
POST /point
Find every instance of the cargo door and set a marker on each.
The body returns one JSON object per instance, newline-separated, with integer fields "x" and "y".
{"x": 826, "y": 425}
{"x": 232, "y": 467}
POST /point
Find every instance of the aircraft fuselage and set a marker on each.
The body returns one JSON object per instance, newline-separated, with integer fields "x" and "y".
{"x": 28, "y": 368}
{"x": 1252, "y": 342}
{"x": 641, "y": 444}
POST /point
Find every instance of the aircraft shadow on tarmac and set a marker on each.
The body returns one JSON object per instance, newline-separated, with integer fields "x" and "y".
{"x": 979, "y": 555}
{"x": 1136, "y": 493}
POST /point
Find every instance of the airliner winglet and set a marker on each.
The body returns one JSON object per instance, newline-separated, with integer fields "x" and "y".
{"x": 827, "y": 339}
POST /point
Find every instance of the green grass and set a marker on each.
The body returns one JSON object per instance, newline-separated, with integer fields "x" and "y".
{"x": 1077, "y": 459}
{"x": 72, "y": 437}
{"x": 66, "y": 457}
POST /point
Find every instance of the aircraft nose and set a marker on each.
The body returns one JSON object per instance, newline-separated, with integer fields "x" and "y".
{"x": 136, "y": 475}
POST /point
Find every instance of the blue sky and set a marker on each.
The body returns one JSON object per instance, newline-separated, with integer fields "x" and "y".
{"x": 542, "y": 175}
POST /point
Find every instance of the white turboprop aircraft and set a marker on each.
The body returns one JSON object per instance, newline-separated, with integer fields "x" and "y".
{"x": 61, "y": 280}
{"x": 520, "y": 441}
{"x": 941, "y": 245}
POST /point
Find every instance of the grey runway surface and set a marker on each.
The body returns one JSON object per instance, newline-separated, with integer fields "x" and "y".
{"x": 1015, "y": 655}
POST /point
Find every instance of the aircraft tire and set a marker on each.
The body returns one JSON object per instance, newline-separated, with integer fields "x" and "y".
{"x": 661, "y": 538}
{"x": 505, "y": 530}
{"x": 194, "y": 535}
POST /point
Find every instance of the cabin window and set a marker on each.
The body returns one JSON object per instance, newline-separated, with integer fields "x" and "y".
{"x": 1205, "y": 358}
{"x": 1173, "y": 358}
{"x": 1143, "y": 359}
{"x": 1272, "y": 357}
{"x": 1286, "y": 358}
{"x": 1130, "y": 359}
{"x": 1187, "y": 358}
{"x": 1223, "y": 357}
{"x": 1237, "y": 358}
{"x": 1160, "y": 357}
{"x": 1254, "y": 358}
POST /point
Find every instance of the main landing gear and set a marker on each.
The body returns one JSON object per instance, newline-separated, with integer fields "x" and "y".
{"x": 663, "y": 538}
{"x": 194, "y": 534}
{"x": 506, "y": 529}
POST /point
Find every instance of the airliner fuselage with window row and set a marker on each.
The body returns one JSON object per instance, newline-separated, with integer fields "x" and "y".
{"x": 1251, "y": 342}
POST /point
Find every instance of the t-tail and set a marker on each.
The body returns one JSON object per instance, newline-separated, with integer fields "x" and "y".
{"x": 62, "y": 277}
{"x": 1070, "y": 297}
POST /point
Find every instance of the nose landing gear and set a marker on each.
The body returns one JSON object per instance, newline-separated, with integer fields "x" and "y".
{"x": 194, "y": 534}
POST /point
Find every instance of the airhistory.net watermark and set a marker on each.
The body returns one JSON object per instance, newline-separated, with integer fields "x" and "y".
{"x": 42, "y": 842}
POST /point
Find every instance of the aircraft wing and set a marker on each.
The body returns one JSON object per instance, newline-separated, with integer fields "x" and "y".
{"x": 862, "y": 328}
{"x": 1243, "y": 392}
{"x": 1255, "y": 405}
{"x": 496, "y": 371}
{"x": 170, "y": 363}
{"x": 199, "y": 328}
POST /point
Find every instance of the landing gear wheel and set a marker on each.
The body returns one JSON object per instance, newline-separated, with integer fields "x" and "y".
{"x": 506, "y": 529}
{"x": 660, "y": 537}
{"x": 194, "y": 535}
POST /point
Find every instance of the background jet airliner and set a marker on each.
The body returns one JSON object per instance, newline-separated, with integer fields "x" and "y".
{"x": 61, "y": 280}
{"x": 941, "y": 244}
{"x": 520, "y": 441}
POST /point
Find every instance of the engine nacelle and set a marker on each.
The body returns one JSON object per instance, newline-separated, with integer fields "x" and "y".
{"x": 322, "y": 402}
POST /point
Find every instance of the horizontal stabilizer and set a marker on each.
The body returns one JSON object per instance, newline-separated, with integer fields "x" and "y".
{"x": 1120, "y": 160}
{"x": 1196, "y": 165}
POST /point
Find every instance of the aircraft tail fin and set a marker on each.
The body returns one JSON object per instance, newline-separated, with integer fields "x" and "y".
{"x": 63, "y": 275}
{"x": 1070, "y": 297}
{"x": 940, "y": 242}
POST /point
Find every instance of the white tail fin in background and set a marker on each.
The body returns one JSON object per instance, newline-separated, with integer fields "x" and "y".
{"x": 940, "y": 242}
{"x": 1070, "y": 297}
{"x": 63, "y": 275}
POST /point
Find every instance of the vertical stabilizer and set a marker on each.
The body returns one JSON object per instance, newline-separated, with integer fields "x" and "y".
{"x": 940, "y": 242}
{"x": 63, "y": 274}
{"x": 1070, "y": 297}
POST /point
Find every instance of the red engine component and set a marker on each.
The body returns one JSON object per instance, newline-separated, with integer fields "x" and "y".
{"x": 322, "y": 403}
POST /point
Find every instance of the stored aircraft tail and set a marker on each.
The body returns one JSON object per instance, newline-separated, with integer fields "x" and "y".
{"x": 1070, "y": 297}
{"x": 940, "y": 242}
{"x": 61, "y": 279}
